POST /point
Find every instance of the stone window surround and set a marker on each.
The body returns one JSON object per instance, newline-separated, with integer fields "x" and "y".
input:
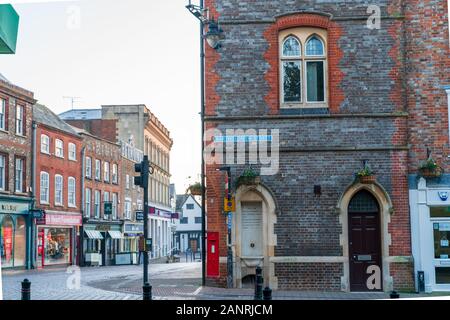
{"x": 303, "y": 35}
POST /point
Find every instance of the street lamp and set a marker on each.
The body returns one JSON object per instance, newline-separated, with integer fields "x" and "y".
{"x": 215, "y": 33}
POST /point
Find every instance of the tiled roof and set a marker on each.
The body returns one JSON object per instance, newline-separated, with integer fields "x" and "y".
{"x": 44, "y": 115}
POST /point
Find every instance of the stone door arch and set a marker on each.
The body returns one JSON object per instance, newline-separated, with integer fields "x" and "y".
{"x": 385, "y": 210}
{"x": 258, "y": 204}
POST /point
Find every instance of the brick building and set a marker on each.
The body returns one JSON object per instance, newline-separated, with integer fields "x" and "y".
{"x": 335, "y": 91}
{"x": 16, "y": 194}
{"x": 428, "y": 74}
{"x": 122, "y": 123}
{"x": 102, "y": 233}
{"x": 58, "y": 167}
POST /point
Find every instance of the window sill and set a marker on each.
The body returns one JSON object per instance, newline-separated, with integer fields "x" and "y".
{"x": 4, "y": 131}
{"x": 59, "y": 157}
{"x": 59, "y": 205}
{"x": 20, "y": 193}
{"x": 74, "y": 160}
{"x": 72, "y": 206}
{"x": 46, "y": 153}
{"x": 303, "y": 110}
{"x": 4, "y": 192}
{"x": 20, "y": 135}
{"x": 44, "y": 203}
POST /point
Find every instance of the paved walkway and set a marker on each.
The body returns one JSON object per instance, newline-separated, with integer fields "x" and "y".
{"x": 175, "y": 281}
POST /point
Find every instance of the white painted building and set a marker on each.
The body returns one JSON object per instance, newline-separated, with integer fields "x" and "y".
{"x": 189, "y": 226}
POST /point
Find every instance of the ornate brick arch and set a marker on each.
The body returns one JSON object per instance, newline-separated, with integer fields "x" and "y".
{"x": 304, "y": 19}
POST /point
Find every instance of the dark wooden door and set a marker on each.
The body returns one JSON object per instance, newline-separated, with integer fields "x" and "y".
{"x": 364, "y": 249}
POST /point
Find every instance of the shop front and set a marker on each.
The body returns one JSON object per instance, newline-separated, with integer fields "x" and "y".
{"x": 130, "y": 244}
{"x": 15, "y": 230}
{"x": 57, "y": 237}
{"x": 430, "y": 226}
{"x": 101, "y": 244}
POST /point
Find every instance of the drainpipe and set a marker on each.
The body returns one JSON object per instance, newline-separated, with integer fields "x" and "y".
{"x": 83, "y": 203}
{"x": 31, "y": 261}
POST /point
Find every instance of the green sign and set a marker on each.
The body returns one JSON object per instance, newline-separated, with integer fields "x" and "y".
{"x": 9, "y": 26}
{"x": 107, "y": 208}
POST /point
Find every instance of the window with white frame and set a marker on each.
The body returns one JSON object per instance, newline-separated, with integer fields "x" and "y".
{"x": 71, "y": 189}
{"x": 59, "y": 190}
{"x": 88, "y": 167}
{"x": 97, "y": 204}
{"x": 44, "y": 184}
{"x": 72, "y": 152}
{"x": 303, "y": 68}
{"x": 87, "y": 206}
{"x": 98, "y": 170}
{"x": 3, "y": 172}
{"x": 106, "y": 172}
{"x": 19, "y": 174}
{"x": 139, "y": 205}
{"x": 19, "y": 119}
{"x": 45, "y": 144}
{"x": 127, "y": 209}
{"x": 105, "y": 200}
{"x": 127, "y": 181}
{"x": 59, "y": 148}
{"x": 114, "y": 206}
{"x": 115, "y": 175}
{"x": 3, "y": 114}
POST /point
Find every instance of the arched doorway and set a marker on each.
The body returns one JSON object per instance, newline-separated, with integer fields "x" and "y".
{"x": 253, "y": 237}
{"x": 364, "y": 243}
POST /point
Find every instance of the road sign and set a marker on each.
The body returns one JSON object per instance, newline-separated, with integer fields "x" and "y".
{"x": 229, "y": 205}
{"x": 139, "y": 215}
{"x": 107, "y": 208}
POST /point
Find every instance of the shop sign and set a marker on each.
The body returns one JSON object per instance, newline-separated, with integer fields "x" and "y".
{"x": 15, "y": 208}
{"x": 107, "y": 210}
{"x": 159, "y": 213}
{"x": 37, "y": 214}
{"x": 133, "y": 229}
{"x": 102, "y": 227}
{"x": 63, "y": 220}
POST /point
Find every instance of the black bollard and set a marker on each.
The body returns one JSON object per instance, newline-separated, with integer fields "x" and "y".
{"x": 395, "y": 295}
{"x": 267, "y": 293}
{"x": 26, "y": 290}
{"x": 147, "y": 289}
{"x": 259, "y": 284}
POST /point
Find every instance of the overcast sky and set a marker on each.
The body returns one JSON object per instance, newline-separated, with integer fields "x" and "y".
{"x": 115, "y": 52}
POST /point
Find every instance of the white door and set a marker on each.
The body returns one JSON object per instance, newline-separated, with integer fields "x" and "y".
{"x": 251, "y": 229}
{"x": 441, "y": 235}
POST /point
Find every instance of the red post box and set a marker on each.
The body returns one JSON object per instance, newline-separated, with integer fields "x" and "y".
{"x": 212, "y": 255}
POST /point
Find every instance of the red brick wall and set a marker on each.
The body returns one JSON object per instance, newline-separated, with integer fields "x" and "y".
{"x": 428, "y": 69}
{"x": 105, "y": 129}
{"x": 54, "y": 165}
{"x": 334, "y": 55}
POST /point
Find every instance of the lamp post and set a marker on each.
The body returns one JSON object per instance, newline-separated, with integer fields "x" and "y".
{"x": 213, "y": 38}
{"x": 228, "y": 198}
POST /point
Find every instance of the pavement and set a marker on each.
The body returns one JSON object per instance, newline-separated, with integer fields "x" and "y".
{"x": 173, "y": 281}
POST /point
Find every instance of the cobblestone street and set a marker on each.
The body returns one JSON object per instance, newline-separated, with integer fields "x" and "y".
{"x": 178, "y": 281}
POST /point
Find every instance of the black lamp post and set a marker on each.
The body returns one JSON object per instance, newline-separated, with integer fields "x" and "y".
{"x": 213, "y": 38}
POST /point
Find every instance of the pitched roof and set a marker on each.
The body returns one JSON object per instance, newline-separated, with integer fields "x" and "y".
{"x": 82, "y": 114}
{"x": 181, "y": 199}
{"x": 44, "y": 115}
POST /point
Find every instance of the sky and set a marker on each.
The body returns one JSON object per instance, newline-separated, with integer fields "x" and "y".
{"x": 115, "y": 52}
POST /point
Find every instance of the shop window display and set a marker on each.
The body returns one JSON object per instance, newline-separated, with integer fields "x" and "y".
{"x": 57, "y": 246}
{"x": 12, "y": 241}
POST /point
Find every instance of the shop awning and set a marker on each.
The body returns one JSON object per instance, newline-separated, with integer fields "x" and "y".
{"x": 115, "y": 234}
{"x": 93, "y": 234}
{"x": 9, "y": 25}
